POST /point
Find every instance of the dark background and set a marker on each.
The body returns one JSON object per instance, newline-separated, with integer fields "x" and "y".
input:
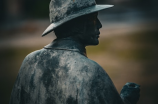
{"x": 128, "y": 48}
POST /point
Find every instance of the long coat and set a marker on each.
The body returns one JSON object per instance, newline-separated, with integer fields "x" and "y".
{"x": 60, "y": 73}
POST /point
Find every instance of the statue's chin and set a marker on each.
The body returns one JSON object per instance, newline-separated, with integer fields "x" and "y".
{"x": 96, "y": 43}
{"x": 93, "y": 42}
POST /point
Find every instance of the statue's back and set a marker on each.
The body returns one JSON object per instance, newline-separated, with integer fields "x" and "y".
{"x": 62, "y": 77}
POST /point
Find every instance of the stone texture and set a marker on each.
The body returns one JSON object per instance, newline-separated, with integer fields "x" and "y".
{"x": 54, "y": 75}
{"x": 60, "y": 9}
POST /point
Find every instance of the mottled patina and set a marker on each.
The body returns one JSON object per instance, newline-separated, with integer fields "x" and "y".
{"x": 61, "y": 72}
{"x": 62, "y": 11}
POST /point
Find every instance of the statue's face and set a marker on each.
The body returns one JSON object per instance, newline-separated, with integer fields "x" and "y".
{"x": 92, "y": 29}
{"x": 85, "y": 29}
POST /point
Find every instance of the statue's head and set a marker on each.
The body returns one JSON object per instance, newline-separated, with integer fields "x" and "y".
{"x": 65, "y": 13}
{"x": 84, "y": 29}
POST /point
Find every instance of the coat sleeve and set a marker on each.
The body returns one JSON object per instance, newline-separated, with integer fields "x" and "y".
{"x": 102, "y": 89}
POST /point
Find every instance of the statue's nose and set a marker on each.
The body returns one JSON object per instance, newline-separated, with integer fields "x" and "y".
{"x": 99, "y": 25}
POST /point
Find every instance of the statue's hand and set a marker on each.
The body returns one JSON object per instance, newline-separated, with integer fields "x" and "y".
{"x": 130, "y": 92}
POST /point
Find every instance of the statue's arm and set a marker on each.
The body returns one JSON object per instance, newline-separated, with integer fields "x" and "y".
{"x": 103, "y": 89}
{"x": 107, "y": 94}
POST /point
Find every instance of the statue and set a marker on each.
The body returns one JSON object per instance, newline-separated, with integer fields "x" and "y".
{"x": 61, "y": 73}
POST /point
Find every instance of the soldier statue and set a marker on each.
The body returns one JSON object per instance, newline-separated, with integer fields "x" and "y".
{"x": 61, "y": 73}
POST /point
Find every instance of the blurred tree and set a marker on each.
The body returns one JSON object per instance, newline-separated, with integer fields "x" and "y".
{"x": 147, "y": 6}
{"x": 36, "y": 8}
{"x": 2, "y": 10}
{"x": 11, "y": 9}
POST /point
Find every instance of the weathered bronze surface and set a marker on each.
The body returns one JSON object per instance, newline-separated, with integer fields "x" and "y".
{"x": 61, "y": 73}
{"x": 62, "y": 11}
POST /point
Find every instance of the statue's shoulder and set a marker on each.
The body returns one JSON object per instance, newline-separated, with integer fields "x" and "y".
{"x": 87, "y": 63}
{"x": 33, "y": 55}
{"x": 92, "y": 63}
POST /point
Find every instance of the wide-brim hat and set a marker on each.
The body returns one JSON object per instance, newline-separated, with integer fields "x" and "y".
{"x": 58, "y": 18}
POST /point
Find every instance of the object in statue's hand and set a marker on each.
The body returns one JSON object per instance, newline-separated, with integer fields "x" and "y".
{"x": 130, "y": 93}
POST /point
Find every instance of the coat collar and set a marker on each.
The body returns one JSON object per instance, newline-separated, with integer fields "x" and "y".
{"x": 67, "y": 44}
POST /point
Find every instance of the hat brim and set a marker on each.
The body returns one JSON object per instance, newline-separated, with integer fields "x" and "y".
{"x": 82, "y": 12}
